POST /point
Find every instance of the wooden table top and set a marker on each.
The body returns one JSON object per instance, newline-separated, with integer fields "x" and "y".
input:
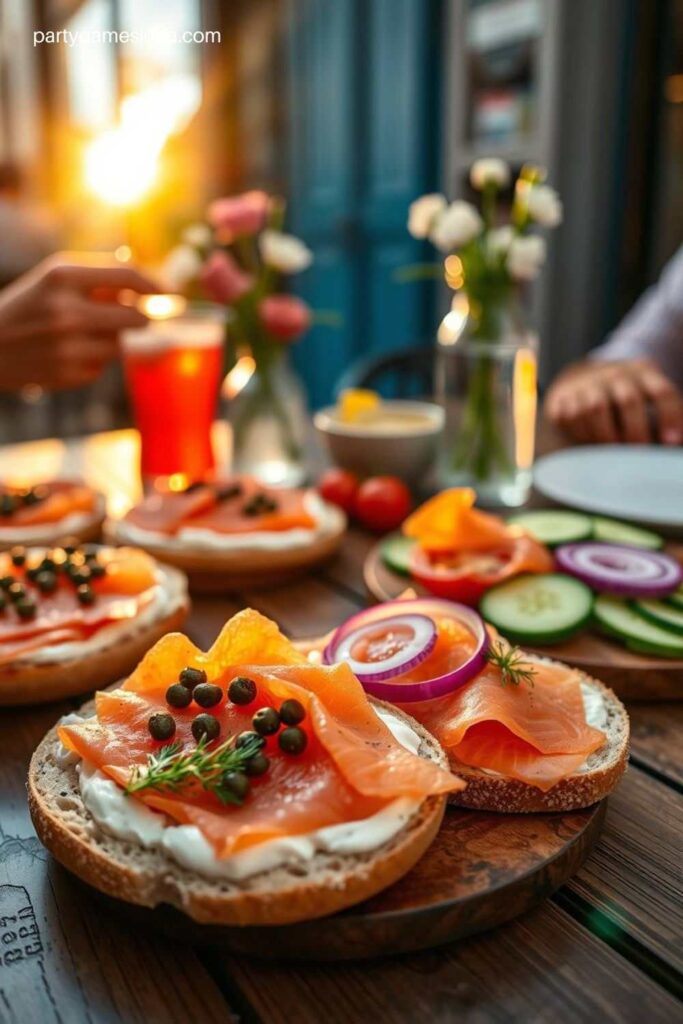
{"x": 608, "y": 946}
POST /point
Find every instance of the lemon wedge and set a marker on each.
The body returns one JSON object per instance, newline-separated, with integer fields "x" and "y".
{"x": 356, "y": 403}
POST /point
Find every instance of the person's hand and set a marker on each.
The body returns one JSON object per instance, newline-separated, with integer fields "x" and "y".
{"x": 628, "y": 401}
{"x": 59, "y": 323}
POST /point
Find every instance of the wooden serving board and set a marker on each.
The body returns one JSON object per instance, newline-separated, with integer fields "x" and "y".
{"x": 631, "y": 676}
{"x": 481, "y": 870}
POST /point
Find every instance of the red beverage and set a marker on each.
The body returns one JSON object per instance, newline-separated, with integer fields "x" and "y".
{"x": 173, "y": 371}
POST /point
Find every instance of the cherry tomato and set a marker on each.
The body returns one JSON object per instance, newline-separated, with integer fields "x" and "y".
{"x": 339, "y": 486}
{"x": 382, "y": 503}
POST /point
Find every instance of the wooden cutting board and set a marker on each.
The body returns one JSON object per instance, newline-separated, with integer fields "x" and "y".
{"x": 631, "y": 676}
{"x": 481, "y": 870}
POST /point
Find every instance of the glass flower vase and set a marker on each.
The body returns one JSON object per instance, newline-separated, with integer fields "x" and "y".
{"x": 266, "y": 408}
{"x": 486, "y": 382}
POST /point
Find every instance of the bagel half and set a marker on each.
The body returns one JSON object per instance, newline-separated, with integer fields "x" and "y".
{"x": 216, "y": 571}
{"x": 118, "y": 649}
{"x": 595, "y": 780}
{"x": 148, "y": 877}
{"x": 487, "y": 791}
{"x": 52, "y": 534}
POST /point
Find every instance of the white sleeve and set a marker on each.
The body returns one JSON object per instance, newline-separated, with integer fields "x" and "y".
{"x": 653, "y": 329}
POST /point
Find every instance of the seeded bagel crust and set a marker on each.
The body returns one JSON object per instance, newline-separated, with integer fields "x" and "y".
{"x": 24, "y": 682}
{"x": 295, "y": 892}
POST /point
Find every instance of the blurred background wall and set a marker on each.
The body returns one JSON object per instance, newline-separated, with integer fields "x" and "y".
{"x": 350, "y": 108}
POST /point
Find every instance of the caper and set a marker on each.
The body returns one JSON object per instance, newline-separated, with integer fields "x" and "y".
{"x": 81, "y": 574}
{"x": 18, "y": 556}
{"x": 32, "y": 572}
{"x": 16, "y": 590}
{"x": 206, "y": 725}
{"x": 228, "y": 492}
{"x": 70, "y": 545}
{"x": 241, "y": 690}
{"x": 266, "y": 721}
{"x": 236, "y": 784}
{"x": 292, "y": 712}
{"x": 259, "y": 504}
{"x": 35, "y": 494}
{"x": 6, "y": 582}
{"x": 178, "y": 696}
{"x": 161, "y": 725}
{"x": 85, "y": 594}
{"x": 257, "y": 765}
{"x": 97, "y": 570}
{"x": 46, "y": 582}
{"x": 47, "y": 564}
{"x": 191, "y": 677}
{"x": 249, "y": 737}
{"x": 293, "y": 740}
{"x": 58, "y": 557}
{"x": 207, "y": 694}
{"x": 26, "y": 608}
{"x": 7, "y": 505}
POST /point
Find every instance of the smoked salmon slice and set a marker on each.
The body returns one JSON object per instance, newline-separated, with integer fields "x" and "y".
{"x": 125, "y": 589}
{"x": 235, "y": 506}
{"x": 63, "y": 501}
{"x": 352, "y": 766}
{"x": 536, "y": 732}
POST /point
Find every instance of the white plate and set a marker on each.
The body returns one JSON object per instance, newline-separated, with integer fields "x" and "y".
{"x": 640, "y": 483}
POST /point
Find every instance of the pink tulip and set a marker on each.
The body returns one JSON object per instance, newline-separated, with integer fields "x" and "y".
{"x": 284, "y": 316}
{"x": 239, "y": 215}
{"x": 223, "y": 279}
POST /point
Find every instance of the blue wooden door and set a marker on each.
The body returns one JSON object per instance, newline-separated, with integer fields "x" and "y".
{"x": 363, "y": 86}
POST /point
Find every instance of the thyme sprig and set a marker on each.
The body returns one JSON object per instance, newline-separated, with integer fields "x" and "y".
{"x": 511, "y": 662}
{"x": 171, "y": 768}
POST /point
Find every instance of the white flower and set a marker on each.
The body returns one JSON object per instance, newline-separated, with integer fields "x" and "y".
{"x": 544, "y": 206}
{"x": 423, "y": 212}
{"x": 180, "y": 266}
{"x": 498, "y": 240}
{"x": 457, "y": 225}
{"x": 525, "y": 257}
{"x": 489, "y": 170}
{"x": 197, "y": 235}
{"x": 284, "y": 252}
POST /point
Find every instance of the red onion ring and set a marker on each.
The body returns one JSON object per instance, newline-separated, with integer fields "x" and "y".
{"x": 415, "y": 651}
{"x": 428, "y": 689}
{"x": 620, "y": 569}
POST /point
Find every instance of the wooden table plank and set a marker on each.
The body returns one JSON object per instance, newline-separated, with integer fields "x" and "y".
{"x": 60, "y": 959}
{"x": 632, "y": 879}
{"x": 657, "y": 738}
{"x": 543, "y": 968}
{"x": 346, "y": 569}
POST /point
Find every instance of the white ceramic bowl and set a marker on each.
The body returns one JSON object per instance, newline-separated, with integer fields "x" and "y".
{"x": 407, "y": 452}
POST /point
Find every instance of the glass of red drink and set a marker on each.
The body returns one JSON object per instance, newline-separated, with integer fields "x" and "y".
{"x": 173, "y": 371}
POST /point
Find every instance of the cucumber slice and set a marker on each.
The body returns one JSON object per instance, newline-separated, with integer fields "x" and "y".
{"x": 396, "y": 553}
{"x": 614, "y": 532}
{"x": 539, "y": 609}
{"x": 676, "y": 599}
{"x": 661, "y": 614}
{"x": 555, "y": 526}
{"x": 617, "y": 619}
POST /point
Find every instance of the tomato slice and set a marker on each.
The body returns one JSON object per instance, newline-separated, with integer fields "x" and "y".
{"x": 466, "y": 575}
